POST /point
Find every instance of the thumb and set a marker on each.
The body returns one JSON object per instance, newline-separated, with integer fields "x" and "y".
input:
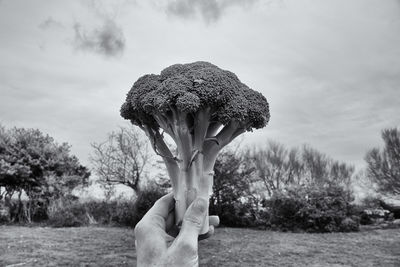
{"x": 193, "y": 222}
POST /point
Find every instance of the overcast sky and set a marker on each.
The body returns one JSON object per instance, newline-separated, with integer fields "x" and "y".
{"x": 330, "y": 69}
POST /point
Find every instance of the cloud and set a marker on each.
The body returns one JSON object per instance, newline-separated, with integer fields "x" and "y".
{"x": 50, "y": 23}
{"x": 108, "y": 40}
{"x": 210, "y": 10}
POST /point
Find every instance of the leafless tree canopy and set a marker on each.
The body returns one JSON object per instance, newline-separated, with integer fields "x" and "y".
{"x": 278, "y": 167}
{"x": 384, "y": 165}
{"x": 122, "y": 158}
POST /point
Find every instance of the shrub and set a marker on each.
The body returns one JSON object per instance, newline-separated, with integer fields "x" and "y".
{"x": 64, "y": 213}
{"x": 102, "y": 211}
{"x": 71, "y": 212}
{"x": 373, "y": 216}
{"x": 237, "y": 214}
{"x": 39, "y": 211}
{"x": 312, "y": 209}
{"x": 350, "y": 224}
{"x": 4, "y": 213}
{"x": 125, "y": 213}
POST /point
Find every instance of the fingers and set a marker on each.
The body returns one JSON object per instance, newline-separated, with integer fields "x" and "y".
{"x": 150, "y": 231}
{"x": 191, "y": 226}
{"x": 158, "y": 214}
{"x": 155, "y": 218}
{"x": 173, "y": 230}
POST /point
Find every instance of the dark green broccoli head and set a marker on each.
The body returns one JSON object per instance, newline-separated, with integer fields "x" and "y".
{"x": 190, "y": 87}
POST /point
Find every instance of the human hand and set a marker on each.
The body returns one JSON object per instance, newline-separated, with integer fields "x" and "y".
{"x": 155, "y": 244}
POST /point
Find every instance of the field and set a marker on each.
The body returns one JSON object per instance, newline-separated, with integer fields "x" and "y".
{"x": 102, "y": 246}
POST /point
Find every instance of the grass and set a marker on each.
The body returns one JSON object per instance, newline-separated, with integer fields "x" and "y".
{"x": 102, "y": 246}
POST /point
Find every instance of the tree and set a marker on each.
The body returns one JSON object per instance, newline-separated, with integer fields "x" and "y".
{"x": 383, "y": 166}
{"x": 202, "y": 108}
{"x": 33, "y": 162}
{"x": 122, "y": 158}
{"x": 278, "y": 167}
{"x": 233, "y": 188}
{"x": 316, "y": 166}
{"x": 321, "y": 170}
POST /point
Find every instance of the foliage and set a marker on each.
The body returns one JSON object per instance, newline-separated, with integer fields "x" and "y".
{"x": 67, "y": 213}
{"x": 313, "y": 209}
{"x": 350, "y": 224}
{"x": 115, "y": 212}
{"x": 33, "y": 162}
{"x": 4, "y": 213}
{"x": 71, "y": 212}
{"x": 383, "y": 166}
{"x": 233, "y": 198}
{"x": 121, "y": 159}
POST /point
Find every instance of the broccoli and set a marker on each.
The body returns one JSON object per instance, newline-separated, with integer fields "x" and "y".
{"x": 202, "y": 108}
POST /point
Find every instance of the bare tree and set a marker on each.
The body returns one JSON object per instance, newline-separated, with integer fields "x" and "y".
{"x": 294, "y": 166}
{"x": 271, "y": 164}
{"x": 341, "y": 173}
{"x": 315, "y": 165}
{"x": 383, "y": 166}
{"x": 277, "y": 167}
{"x": 122, "y": 158}
{"x": 321, "y": 169}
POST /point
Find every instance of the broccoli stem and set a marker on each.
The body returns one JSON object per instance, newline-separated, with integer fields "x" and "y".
{"x": 198, "y": 145}
{"x": 193, "y": 182}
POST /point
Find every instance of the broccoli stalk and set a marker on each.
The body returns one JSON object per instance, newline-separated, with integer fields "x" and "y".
{"x": 202, "y": 108}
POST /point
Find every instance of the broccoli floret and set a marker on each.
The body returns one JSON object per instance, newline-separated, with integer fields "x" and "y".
{"x": 203, "y": 108}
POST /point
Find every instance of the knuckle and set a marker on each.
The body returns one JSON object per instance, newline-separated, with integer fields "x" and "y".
{"x": 141, "y": 229}
{"x": 187, "y": 247}
{"x": 194, "y": 221}
{"x": 158, "y": 221}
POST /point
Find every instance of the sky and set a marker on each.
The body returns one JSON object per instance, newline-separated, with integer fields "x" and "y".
{"x": 329, "y": 69}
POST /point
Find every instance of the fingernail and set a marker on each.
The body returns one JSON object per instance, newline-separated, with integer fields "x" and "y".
{"x": 200, "y": 204}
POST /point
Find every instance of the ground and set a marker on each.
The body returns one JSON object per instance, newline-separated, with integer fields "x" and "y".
{"x": 109, "y": 246}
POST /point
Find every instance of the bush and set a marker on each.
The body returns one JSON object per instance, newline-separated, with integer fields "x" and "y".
{"x": 64, "y": 213}
{"x": 312, "y": 209}
{"x": 4, "y": 214}
{"x": 350, "y": 224}
{"x": 39, "y": 211}
{"x": 102, "y": 211}
{"x": 374, "y": 216}
{"x": 236, "y": 214}
{"x": 71, "y": 212}
{"x": 125, "y": 213}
